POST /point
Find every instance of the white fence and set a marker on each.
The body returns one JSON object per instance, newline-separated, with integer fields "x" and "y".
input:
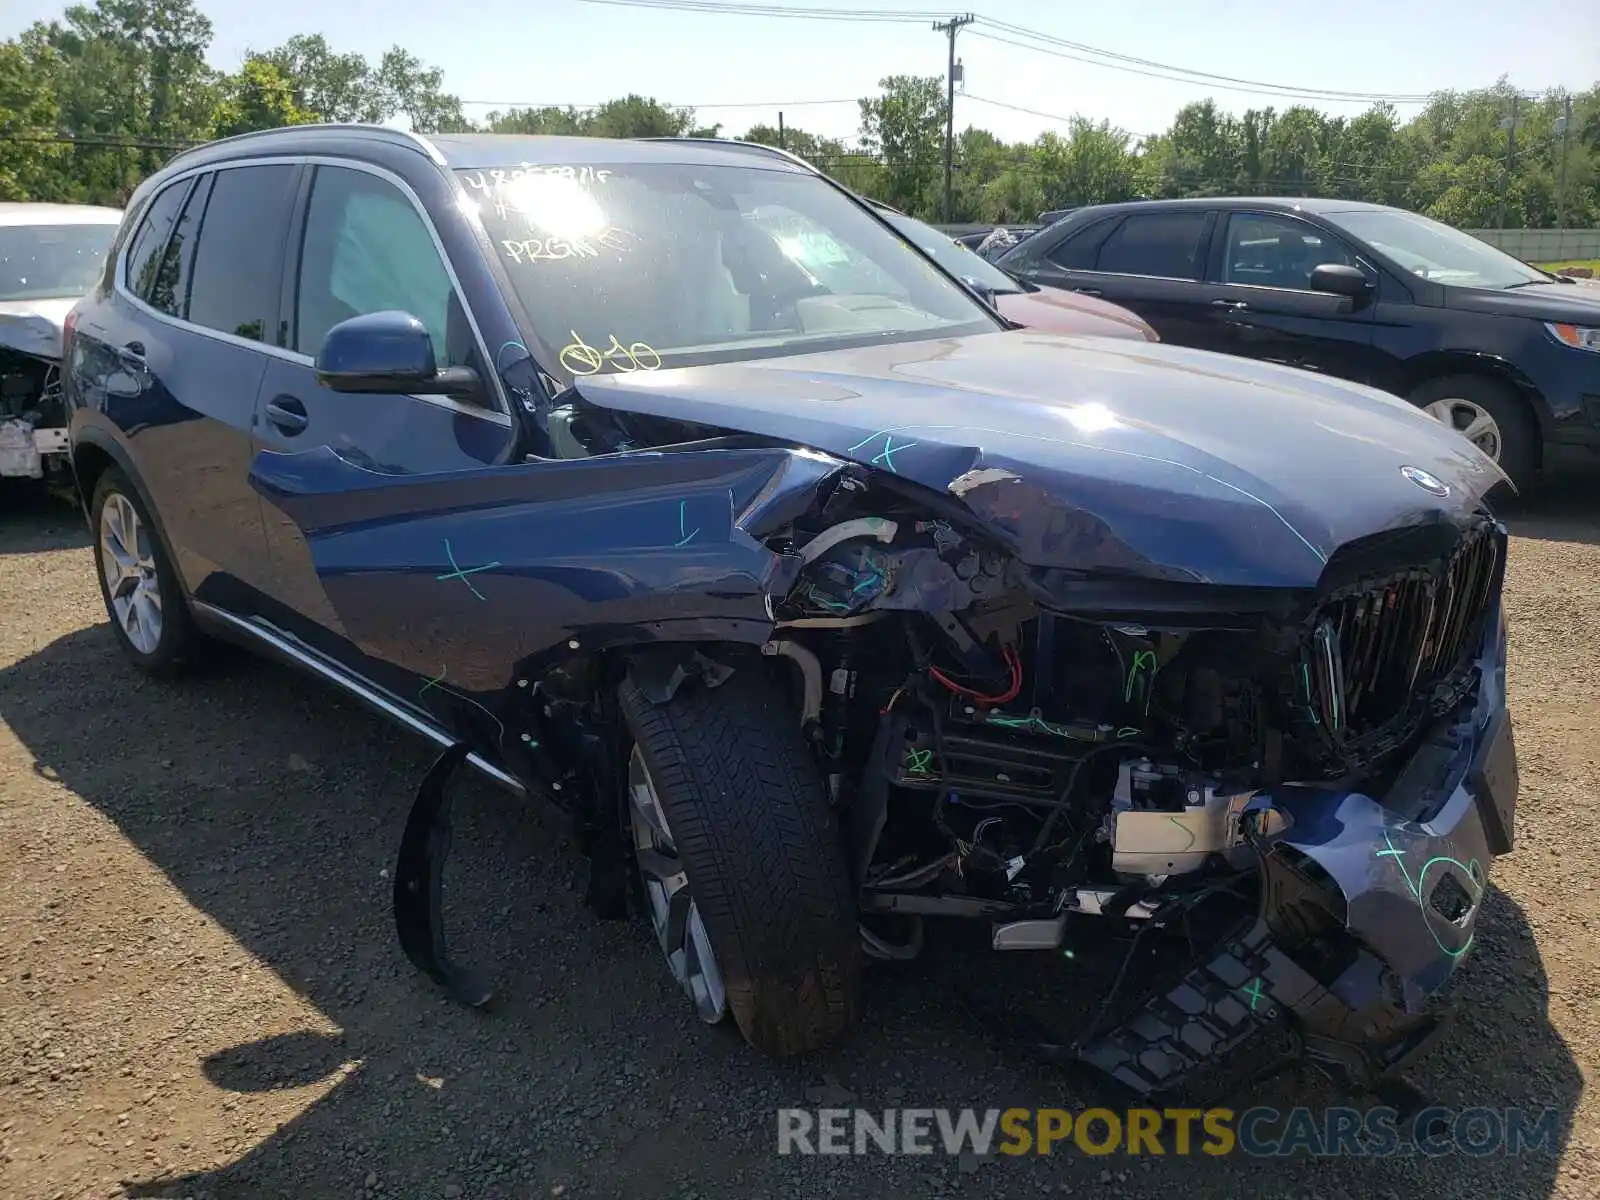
{"x": 1543, "y": 245}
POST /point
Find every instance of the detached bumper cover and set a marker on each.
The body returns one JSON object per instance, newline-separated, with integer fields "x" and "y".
{"x": 1408, "y": 892}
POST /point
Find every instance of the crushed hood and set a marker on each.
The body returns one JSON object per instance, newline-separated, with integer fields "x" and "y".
{"x": 34, "y": 326}
{"x": 1143, "y": 459}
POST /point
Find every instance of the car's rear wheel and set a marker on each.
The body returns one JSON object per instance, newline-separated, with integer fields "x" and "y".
{"x": 140, "y": 587}
{"x": 739, "y": 855}
{"x": 1490, "y": 416}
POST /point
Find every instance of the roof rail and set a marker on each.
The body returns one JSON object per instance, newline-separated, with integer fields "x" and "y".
{"x": 398, "y": 136}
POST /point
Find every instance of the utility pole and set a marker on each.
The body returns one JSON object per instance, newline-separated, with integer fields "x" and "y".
{"x": 781, "y": 145}
{"x": 1564, "y": 128}
{"x": 1509, "y": 124}
{"x": 950, "y": 27}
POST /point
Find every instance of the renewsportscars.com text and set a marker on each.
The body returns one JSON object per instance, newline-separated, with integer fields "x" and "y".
{"x": 1257, "y": 1132}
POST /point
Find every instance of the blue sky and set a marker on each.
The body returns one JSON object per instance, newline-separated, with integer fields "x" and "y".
{"x": 567, "y": 51}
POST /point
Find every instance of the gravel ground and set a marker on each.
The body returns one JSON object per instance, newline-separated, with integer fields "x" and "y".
{"x": 200, "y": 992}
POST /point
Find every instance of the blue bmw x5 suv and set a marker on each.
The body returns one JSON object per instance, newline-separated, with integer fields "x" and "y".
{"x": 822, "y": 608}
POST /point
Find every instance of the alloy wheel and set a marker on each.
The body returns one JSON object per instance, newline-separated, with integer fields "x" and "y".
{"x": 127, "y": 561}
{"x": 1471, "y": 421}
{"x": 673, "y": 913}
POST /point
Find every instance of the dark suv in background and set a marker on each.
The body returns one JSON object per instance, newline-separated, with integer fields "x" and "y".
{"x": 1502, "y": 351}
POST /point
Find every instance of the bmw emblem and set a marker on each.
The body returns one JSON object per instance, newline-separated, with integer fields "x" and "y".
{"x": 1425, "y": 481}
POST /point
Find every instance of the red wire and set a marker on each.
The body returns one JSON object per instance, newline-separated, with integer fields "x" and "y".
{"x": 1010, "y": 694}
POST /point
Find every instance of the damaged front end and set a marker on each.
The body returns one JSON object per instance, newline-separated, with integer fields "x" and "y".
{"x": 1039, "y": 750}
{"x": 33, "y": 418}
{"x": 1317, "y": 774}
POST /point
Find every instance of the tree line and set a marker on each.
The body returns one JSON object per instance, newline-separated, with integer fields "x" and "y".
{"x": 94, "y": 101}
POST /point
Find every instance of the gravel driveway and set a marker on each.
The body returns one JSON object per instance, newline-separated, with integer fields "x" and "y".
{"x": 201, "y": 995}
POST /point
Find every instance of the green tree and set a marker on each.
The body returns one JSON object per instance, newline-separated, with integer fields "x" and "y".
{"x": 903, "y": 127}
{"x": 258, "y": 97}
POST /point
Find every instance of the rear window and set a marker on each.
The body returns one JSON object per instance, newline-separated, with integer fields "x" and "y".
{"x": 51, "y": 262}
{"x": 1161, "y": 244}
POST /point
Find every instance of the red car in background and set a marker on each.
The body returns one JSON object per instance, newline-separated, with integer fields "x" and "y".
{"x": 1050, "y": 309}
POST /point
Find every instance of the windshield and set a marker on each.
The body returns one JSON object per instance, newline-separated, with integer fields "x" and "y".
{"x": 1436, "y": 251}
{"x": 952, "y": 255}
{"x": 46, "y": 262}
{"x": 640, "y": 266}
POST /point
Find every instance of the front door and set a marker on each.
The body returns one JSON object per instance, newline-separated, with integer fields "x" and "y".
{"x": 1261, "y": 304}
{"x": 365, "y": 246}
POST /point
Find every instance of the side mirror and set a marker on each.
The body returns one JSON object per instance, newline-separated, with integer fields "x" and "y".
{"x": 388, "y": 352}
{"x": 1340, "y": 280}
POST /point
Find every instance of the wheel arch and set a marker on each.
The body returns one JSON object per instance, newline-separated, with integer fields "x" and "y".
{"x": 1440, "y": 364}
{"x": 94, "y": 453}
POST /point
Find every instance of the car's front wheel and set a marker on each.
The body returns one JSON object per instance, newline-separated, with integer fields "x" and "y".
{"x": 741, "y": 864}
{"x": 137, "y": 581}
{"x": 1490, "y": 416}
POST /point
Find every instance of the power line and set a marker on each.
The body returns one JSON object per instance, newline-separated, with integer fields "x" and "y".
{"x": 1261, "y": 89}
{"x": 882, "y": 15}
{"x": 529, "y": 104}
{"x": 1325, "y": 93}
{"x": 1037, "y": 41}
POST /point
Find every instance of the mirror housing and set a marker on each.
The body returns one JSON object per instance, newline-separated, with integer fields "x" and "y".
{"x": 1340, "y": 280}
{"x": 388, "y": 353}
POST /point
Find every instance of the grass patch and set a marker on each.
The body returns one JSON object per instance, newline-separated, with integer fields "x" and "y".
{"x": 1592, "y": 263}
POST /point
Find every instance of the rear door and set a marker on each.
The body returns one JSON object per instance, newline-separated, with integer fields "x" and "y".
{"x": 1261, "y": 304}
{"x": 185, "y": 352}
{"x": 1150, "y": 262}
{"x": 361, "y": 243}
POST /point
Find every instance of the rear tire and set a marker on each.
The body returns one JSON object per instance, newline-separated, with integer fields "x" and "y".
{"x": 143, "y": 597}
{"x": 1491, "y": 415}
{"x": 752, "y": 827}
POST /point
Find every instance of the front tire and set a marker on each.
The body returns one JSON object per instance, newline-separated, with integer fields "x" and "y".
{"x": 1488, "y": 414}
{"x": 143, "y": 598}
{"x": 745, "y": 876}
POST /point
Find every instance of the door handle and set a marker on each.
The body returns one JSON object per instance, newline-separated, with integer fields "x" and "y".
{"x": 1230, "y": 305}
{"x": 287, "y": 414}
{"x": 1087, "y": 291}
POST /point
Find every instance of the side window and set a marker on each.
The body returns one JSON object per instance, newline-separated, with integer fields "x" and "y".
{"x": 1271, "y": 251}
{"x": 237, "y": 263}
{"x": 1164, "y": 244}
{"x": 144, "y": 252}
{"x": 169, "y": 292}
{"x": 1079, "y": 251}
{"x": 368, "y": 250}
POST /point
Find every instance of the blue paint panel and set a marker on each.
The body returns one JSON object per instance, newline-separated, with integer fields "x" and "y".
{"x": 1097, "y": 454}
{"x": 476, "y": 571}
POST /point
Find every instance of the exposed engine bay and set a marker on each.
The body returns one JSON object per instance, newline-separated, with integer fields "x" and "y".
{"x": 33, "y": 434}
{"x": 1002, "y": 752}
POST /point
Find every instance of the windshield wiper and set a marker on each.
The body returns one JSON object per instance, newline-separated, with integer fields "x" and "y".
{"x": 1525, "y": 283}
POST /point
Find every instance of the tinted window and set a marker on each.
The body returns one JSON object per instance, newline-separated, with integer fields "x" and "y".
{"x": 169, "y": 291}
{"x": 1080, "y": 250}
{"x": 144, "y": 255}
{"x": 235, "y": 277}
{"x": 368, "y": 250}
{"x": 1165, "y": 244}
{"x": 1277, "y": 251}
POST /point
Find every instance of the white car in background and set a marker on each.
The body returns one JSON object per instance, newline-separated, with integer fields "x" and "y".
{"x": 50, "y": 255}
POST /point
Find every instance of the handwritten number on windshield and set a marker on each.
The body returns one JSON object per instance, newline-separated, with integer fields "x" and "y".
{"x": 488, "y": 181}
{"x": 555, "y": 249}
{"x": 580, "y": 358}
